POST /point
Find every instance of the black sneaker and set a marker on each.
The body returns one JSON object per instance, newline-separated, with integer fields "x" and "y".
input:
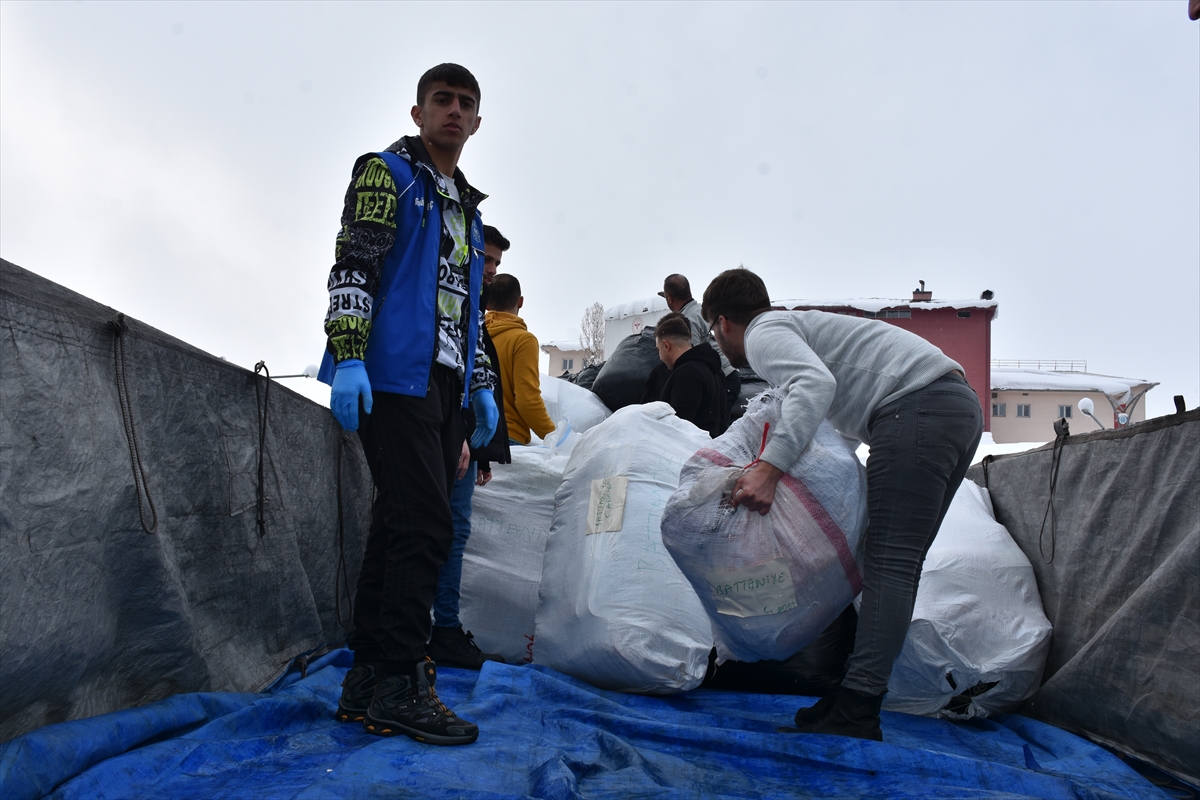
{"x": 358, "y": 688}
{"x": 409, "y": 704}
{"x": 451, "y": 647}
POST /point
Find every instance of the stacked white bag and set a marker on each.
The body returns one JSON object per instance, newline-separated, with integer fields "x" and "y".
{"x": 502, "y": 563}
{"x": 578, "y": 406}
{"x": 615, "y": 610}
{"x": 770, "y": 583}
{"x": 510, "y": 521}
{"x": 978, "y": 620}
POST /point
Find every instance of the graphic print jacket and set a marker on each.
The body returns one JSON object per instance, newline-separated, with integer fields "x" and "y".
{"x": 404, "y": 288}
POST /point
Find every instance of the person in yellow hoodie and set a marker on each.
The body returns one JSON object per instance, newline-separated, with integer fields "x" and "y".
{"x": 518, "y": 353}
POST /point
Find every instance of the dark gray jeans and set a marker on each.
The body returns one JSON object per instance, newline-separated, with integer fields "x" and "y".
{"x": 921, "y": 446}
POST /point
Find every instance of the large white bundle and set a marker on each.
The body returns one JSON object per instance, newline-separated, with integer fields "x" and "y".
{"x": 615, "y": 610}
{"x": 770, "y": 583}
{"x": 978, "y": 620}
{"x": 566, "y": 401}
{"x": 502, "y": 564}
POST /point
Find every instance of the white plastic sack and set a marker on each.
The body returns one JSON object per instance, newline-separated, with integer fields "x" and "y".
{"x": 502, "y": 564}
{"x": 978, "y": 620}
{"x": 770, "y": 584}
{"x": 566, "y": 401}
{"x": 615, "y": 610}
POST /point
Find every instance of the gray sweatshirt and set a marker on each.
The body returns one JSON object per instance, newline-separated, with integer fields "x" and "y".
{"x": 835, "y": 366}
{"x": 700, "y": 333}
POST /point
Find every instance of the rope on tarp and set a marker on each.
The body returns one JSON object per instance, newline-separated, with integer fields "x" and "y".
{"x": 302, "y": 661}
{"x": 124, "y": 395}
{"x": 985, "y": 463}
{"x": 262, "y": 397}
{"x": 1062, "y": 430}
{"x": 341, "y": 577}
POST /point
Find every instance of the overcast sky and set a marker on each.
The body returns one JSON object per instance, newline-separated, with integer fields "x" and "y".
{"x": 185, "y": 163}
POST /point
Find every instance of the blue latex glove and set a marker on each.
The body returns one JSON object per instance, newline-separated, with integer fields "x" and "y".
{"x": 349, "y": 383}
{"x": 487, "y": 417}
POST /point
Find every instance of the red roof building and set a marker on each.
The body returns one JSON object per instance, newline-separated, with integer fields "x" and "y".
{"x": 961, "y": 328}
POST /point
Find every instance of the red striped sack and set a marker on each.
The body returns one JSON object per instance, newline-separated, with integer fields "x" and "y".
{"x": 770, "y": 584}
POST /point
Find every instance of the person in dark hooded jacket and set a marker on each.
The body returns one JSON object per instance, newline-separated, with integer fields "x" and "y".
{"x": 690, "y": 377}
{"x": 449, "y": 644}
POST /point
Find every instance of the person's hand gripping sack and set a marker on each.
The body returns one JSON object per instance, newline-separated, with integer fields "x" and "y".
{"x": 350, "y": 382}
{"x": 487, "y": 417}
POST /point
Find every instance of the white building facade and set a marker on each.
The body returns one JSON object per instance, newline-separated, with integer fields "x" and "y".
{"x": 1027, "y": 402}
{"x": 565, "y": 356}
{"x": 628, "y": 319}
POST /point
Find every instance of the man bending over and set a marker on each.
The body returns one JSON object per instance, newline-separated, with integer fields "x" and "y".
{"x": 888, "y": 388}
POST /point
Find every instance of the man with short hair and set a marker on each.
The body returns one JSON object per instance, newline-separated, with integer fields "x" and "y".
{"x": 890, "y": 389}
{"x": 689, "y": 377}
{"x": 405, "y": 357}
{"x": 677, "y": 291}
{"x": 518, "y": 352}
{"x": 449, "y": 644}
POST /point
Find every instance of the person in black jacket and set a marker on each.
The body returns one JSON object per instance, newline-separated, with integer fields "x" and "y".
{"x": 690, "y": 377}
{"x": 449, "y": 644}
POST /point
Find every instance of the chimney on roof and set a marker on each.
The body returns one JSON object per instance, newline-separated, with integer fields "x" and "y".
{"x": 920, "y": 295}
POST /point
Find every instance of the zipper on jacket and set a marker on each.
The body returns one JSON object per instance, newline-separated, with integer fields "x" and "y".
{"x": 468, "y": 212}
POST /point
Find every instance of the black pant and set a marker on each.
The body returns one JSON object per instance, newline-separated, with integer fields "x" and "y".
{"x": 412, "y": 445}
{"x": 921, "y": 446}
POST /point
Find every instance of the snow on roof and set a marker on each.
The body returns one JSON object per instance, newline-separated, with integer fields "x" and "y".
{"x": 633, "y": 307}
{"x": 872, "y": 304}
{"x": 1044, "y": 381}
{"x": 562, "y": 344}
{"x": 877, "y": 304}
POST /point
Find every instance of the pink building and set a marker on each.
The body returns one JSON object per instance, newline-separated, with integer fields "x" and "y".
{"x": 961, "y": 328}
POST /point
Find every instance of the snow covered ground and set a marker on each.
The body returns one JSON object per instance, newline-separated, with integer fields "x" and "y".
{"x": 986, "y": 448}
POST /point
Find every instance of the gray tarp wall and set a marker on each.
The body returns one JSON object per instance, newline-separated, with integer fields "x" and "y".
{"x": 1122, "y": 588}
{"x": 95, "y": 613}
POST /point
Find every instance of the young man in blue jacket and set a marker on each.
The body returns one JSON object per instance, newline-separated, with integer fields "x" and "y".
{"x": 405, "y": 358}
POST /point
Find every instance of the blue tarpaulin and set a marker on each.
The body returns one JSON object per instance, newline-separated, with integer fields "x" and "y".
{"x": 544, "y": 735}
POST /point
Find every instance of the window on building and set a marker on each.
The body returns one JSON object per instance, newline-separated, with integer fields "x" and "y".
{"x": 1023, "y": 411}
{"x": 568, "y": 363}
{"x": 999, "y": 409}
{"x": 1064, "y": 412}
{"x": 964, "y": 315}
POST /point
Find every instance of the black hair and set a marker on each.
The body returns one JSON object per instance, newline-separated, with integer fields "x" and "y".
{"x": 736, "y": 294}
{"x": 493, "y": 236}
{"x": 673, "y": 326}
{"x": 450, "y": 74}
{"x": 504, "y": 293}
{"x": 677, "y": 286}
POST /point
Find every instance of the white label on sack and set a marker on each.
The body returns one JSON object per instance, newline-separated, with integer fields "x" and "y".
{"x": 754, "y": 591}
{"x": 606, "y": 506}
